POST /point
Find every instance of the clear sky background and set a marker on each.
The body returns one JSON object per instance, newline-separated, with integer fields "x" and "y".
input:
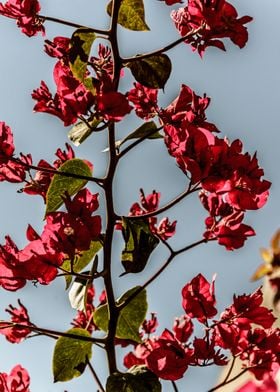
{"x": 244, "y": 86}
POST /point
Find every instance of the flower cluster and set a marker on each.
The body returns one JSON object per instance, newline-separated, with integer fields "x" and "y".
{"x": 213, "y": 20}
{"x": 15, "y": 333}
{"x": 144, "y": 100}
{"x": 244, "y": 328}
{"x": 64, "y": 236}
{"x": 26, "y": 14}
{"x": 267, "y": 385}
{"x": 9, "y": 169}
{"x": 17, "y": 169}
{"x": 231, "y": 180}
{"x": 39, "y": 183}
{"x": 72, "y": 98}
{"x": 17, "y": 381}
{"x": 150, "y": 203}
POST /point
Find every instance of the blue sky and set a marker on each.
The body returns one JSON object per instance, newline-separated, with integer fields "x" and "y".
{"x": 244, "y": 87}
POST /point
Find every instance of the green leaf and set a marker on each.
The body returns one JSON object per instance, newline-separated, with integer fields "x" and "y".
{"x": 153, "y": 71}
{"x": 81, "y": 43}
{"x": 139, "y": 244}
{"x": 81, "y": 131}
{"x": 60, "y": 184}
{"x": 148, "y": 128}
{"x": 70, "y": 355}
{"x": 130, "y": 318}
{"x": 82, "y": 261}
{"x": 138, "y": 379}
{"x": 131, "y": 15}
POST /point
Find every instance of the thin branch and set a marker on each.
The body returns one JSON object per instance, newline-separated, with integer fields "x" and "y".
{"x": 188, "y": 247}
{"x": 165, "y": 243}
{"x": 162, "y": 50}
{"x": 173, "y": 202}
{"x": 230, "y": 370}
{"x": 47, "y": 332}
{"x": 110, "y": 212}
{"x": 172, "y": 255}
{"x": 92, "y": 128}
{"x": 174, "y": 386}
{"x": 138, "y": 141}
{"x": 95, "y": 376}
{"x": 228, "y": 382}
{"x": 71, "y": 24}
{"x": 98, "y": 181}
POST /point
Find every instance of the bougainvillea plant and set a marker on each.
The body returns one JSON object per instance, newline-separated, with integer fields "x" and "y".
{"x": 76, "y": 243}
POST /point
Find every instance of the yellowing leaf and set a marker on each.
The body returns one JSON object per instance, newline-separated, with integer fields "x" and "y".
{"x": 70, "y": 355}
{"x": 266, "y": 255}
{"x": 81, "y": 42}
{"x": 131, "y": 15}
{"x": 262, "y": 270}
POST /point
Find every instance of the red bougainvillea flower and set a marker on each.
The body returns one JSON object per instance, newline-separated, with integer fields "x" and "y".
{"x": 58, "y": 48}
{"x": 168, "y": 359}
{"x": 247, "y": 309}
{"x": 39, "y": 184}
{"x": 103, "y": 63}
{"x": 150, "y": 326}
{"x": 221, "y": 167}
{"x": 46, "y": 103}
{"x": 37, "y": 261}
{"x": 6, "y": 142}
{"x": 267, "y": 385}
{"x": 71, "y": 100}
{"x": 144, "y": 100}
{"x": 188, "y": 108}
{"x": 26, "y": 14}
{"x": 17, "y": 381}
{"x": 237, "y": 175}
{"x": 19, "y": 315}
{"x": 40, "y": 261}
{"x": 64, "y": 235}
{"x": 183, "y": 328}
{"x": 72, "y": 231}
{"x": 150, "y": 203}
{"x": 138, "y": 356}
{"x": 10, "y": 170}
{"x": 230, "y": 330}
{"x": 112, "y": 105}
{"x": 205, "y": 352}
{"x": 216, "y": 19}
{"x": 199, "y": 299}
{"x": 229, "y": 230}
{"x": 11, "y": 271}
{"x": 260, "y": 352}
